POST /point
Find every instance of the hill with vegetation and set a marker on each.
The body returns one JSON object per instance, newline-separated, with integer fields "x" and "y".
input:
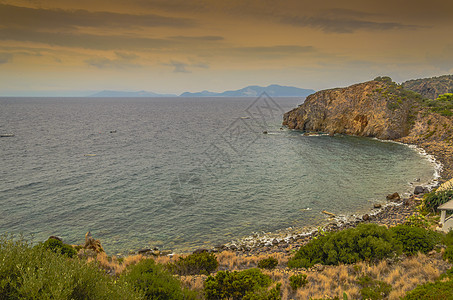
{"x": 431, "y": 88}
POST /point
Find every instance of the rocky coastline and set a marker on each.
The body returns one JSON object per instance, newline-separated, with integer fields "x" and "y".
{"x": 378, "y": 108}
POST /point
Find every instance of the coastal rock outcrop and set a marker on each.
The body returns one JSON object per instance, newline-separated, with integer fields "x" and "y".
{"x": 377, "y": 108}
{"x": 383, "y": 109}
{"x": 92, "y": 244}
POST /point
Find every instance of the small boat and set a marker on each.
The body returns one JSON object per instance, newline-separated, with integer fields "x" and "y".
{"x": 6, "y": 134}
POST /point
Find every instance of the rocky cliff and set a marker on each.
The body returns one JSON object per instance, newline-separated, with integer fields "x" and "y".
{"x": 431, "y": 88}
{"x": 377, "y": 108}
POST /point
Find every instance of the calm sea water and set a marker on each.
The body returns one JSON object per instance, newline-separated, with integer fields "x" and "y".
{"x": 181, "y": 173}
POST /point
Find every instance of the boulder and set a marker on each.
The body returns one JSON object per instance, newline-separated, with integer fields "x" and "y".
{"x": 144, "y": 251}
{"x": 377, "y": 205}
{"x": 92, "y": 244}
{"x": 201, "y": 250}
{"x": 419, "y": 190}
{"x": 393, "y": 197}
{"x": 366, "y": 217}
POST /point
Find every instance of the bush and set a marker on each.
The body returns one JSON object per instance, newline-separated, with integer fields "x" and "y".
{"x": 58, "y": 247}
{"x": 448, "y": 238}
{"x": 373, "y": 289}
{"x": 297, "y": 281}
{"x": 431, "y": 291}
{"x": 417, "y": 220}
{"x": 435, "y": 199}
{"x": 28, "y": 272}
{"x": 415, "y": 239}
{"x": 365, "y": 242}
{"x": 239, "y": 285}
{"x": 263, "y": 294}
{"x": 149, "y": 279}
{"x": 268, "y": 263}
{"x": 448, "y": 254}
{"x": 196, "y": 263}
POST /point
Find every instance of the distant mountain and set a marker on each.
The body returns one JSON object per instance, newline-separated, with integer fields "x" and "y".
{"x": 431, "y": 87}
{"x": 273, "y": 90}
{"x": 129, "y": 94}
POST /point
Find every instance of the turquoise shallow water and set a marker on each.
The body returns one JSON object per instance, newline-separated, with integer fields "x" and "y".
{"x": 181, "y": 173}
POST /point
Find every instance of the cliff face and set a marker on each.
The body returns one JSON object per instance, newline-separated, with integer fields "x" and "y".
{"x": 431, "y": 88}
{"x": 374, "y": 109}
{"x": 381, "y": 109}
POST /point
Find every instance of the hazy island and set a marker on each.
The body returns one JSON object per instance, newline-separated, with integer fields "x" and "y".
{"x": 391, "y": 253}
{"x": 273, "y": 90}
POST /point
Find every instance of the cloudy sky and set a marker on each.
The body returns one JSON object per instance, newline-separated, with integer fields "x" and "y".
{"x": 62, "y": 47}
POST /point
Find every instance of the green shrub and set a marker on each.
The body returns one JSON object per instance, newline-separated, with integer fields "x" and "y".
{"x": 448, "y": 238}
{"x": 365, "y": 242}
{"x": 237, "y": 285}
{"x": 264, "y": 294}
{"x": 415, "y": 239}
{"x": 385, "y": 79}
{"x": 417, "y": 220}
{"x": 28, "y": 272}
{"x": 151, "y": 280}
{"x": 435, "y": 199}
{"x": 432, "y": 291}
{"x": 268, "y": 263}
{"x": 373, "y": 289}
{"x": 196, "y": 263}
{"x": 448, "y": 254}
{"x": 297, "y": 281}
{"x": 58, "y": 247}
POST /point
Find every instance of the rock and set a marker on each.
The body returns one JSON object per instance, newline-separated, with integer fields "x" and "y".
{"x": 92, "y": 244}
{"x": 233, "y": 247}
{"x": 360, "y": 109}
{"x": 264, "y": 132}
{"x": 366, "y": 217}
{"x": 274, "y": 242}
{"x": 393, "y": 197}
{"x": 219, "y": 246}
{"x": 201, "y": 250}
{"x": 144, "y": 251}
{"x": 329, "y": 214}
{"x": 419, "y": 190}
{"x": 377, "y": 205}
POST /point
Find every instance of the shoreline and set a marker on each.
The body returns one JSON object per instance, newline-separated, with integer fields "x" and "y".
{"x": 284, "y": 240}
{"x": 389, "y": 213}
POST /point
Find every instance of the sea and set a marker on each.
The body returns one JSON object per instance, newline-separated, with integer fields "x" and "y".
{"x": 183, "y": 173}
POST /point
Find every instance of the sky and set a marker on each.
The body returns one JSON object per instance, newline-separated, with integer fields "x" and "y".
{"x": 74, "y": 48}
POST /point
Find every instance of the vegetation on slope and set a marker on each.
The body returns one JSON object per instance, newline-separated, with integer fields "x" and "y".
{"x": 46, "y": 272}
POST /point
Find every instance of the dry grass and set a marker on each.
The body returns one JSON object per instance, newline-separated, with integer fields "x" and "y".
{"x": 117, "y": 266}
{"x": 229, "y": 260}
{"x": 331, "y": 282}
